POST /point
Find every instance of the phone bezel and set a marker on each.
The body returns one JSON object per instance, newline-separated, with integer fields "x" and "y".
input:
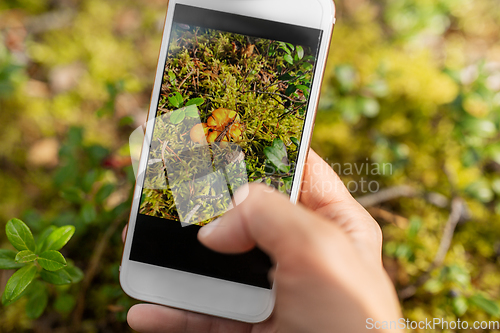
{"x": 199, "y": 293}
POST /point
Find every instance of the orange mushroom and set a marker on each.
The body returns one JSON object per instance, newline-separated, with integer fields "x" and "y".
{"x": 199, "y": 133}
{"x": 222, "y": 125}
{"x": 220, "y": 118}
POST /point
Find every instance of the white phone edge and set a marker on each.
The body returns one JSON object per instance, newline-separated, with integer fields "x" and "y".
{"x": 199, "y": 293}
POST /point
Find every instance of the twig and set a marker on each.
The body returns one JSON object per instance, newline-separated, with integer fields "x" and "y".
{"x": 164, "y": 145}
{"x": 284, "y": 114}
{"x": 284, "y": 81}
{"x": 449, "y": 230}
{"x": 279, "y": 102}
{"x": 243, "y": 82}
{"x": 95, "y": 261}
{"x": 387, "y": 194}
{"x": 193, "y": 211}
{"x": 397, "y": 220}
{"x": 187, "y": 77}
{"x": 402, "y": 191}
{"x": 275, "y": 94}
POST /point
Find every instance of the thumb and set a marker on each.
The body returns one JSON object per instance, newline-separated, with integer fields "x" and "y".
{"x": 325, "y": 193}
{"x": 264, "y": 218}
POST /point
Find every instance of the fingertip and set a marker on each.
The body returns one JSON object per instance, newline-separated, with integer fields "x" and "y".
{"x": 152, "y": 318}
{"x": 124, "y": 233}
{"x": 133, "y": 316}
{"x": 205, "y": 232}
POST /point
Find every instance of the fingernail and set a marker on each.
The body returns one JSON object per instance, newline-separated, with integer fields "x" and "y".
{"x": 209, "y": 228}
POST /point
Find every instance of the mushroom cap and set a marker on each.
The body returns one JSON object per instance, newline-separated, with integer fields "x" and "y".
{"x": 221, "y": 117}
{"x": 199, "y": 133}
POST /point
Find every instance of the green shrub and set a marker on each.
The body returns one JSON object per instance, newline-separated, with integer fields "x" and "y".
{"x": 38, "y": 265}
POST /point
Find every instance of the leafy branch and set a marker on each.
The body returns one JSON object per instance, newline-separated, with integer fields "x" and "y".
{"x": 36, "y": 263}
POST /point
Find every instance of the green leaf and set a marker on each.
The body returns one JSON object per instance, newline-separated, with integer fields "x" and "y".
{"x": 433, "y": 286}
{"x": 8, "y": 259}
{"x": 88, "y": 213}
{"x": 285, "y": 77}
{"x": 456, "y": 274}
{"x": 175, "y": 99}
{"x": 378, "y": 88}
{"x": 18, "y": 282}
{"x": 414, "y": 227}
{"x": 177, "y": 116}
{"x": 52, "y": 260}
{"x": 58, "y": 277}
{"x": 277, "y": 155}
{"x": 370, "y": 107}
{"x": 25, "y": 256}
{"x": 75, "y": 273}
{"x": 43, "y": 237}
{"x": 126, "y": 121}
{"x": 90, "y": 178}
{"x": 285, "y": 48}
{"x": 480, "y": 190}
{"x": 73, "y": 194}
{"x": 486, "y": 304}
{"x": 307, "y": 66}
{"x": 104, "y": 192}
{"x": 19, "y": 235}
{"x": 304, "y": 89}
{"x": 300, "y": 52}
{"x": 295, "y": 141}
{"x": 459, "y": 305}
{"x": 58, "y": 238}
{"x": 290, "y": 90}
{"x": 37, "y": 300}
{"x": 403, "y": 251}
{"x": 7, "y": 302}
{"x": 171, "y": 77}
{"x": 192, "y": 111}
{"x": 195, "y": 101}
{"x": 97, "y": 154}
{"x": 480, "y": 127}
{"x": 288, "y": 58}
{"x": 288, "y": 181}
{"x": 65, "y": 303}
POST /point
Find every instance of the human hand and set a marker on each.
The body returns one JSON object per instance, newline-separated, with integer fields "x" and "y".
{"x": 330, "y": 276}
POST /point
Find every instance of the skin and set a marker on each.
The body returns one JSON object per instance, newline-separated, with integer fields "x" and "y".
{"x": 330, "y": 276}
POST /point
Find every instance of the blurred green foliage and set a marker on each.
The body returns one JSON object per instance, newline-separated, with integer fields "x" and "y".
{"x": 411, "y": 83}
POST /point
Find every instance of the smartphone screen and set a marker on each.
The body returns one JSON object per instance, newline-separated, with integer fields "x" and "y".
{"x": 231, "y": 111}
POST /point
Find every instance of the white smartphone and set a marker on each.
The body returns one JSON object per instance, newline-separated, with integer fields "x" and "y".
{"x": 234, "y": 102}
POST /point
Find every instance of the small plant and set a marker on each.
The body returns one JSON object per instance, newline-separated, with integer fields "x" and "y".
{"x": 279, "y": 171}
{"x": 38, "y": 265}
{"x": 190, "y": 109}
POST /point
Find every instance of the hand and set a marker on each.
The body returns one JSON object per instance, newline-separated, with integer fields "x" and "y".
{"x": 330, "y": 276}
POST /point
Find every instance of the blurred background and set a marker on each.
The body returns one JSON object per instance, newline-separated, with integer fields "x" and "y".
{"x": 414, "y": 84}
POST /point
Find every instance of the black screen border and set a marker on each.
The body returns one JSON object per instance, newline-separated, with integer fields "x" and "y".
{"x": 248, "y": 26}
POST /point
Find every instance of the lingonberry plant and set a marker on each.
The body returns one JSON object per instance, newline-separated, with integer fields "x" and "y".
{"x": 39, "y": 264}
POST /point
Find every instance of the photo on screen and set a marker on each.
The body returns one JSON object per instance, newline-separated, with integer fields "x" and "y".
{"x": 235, "y": 100}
